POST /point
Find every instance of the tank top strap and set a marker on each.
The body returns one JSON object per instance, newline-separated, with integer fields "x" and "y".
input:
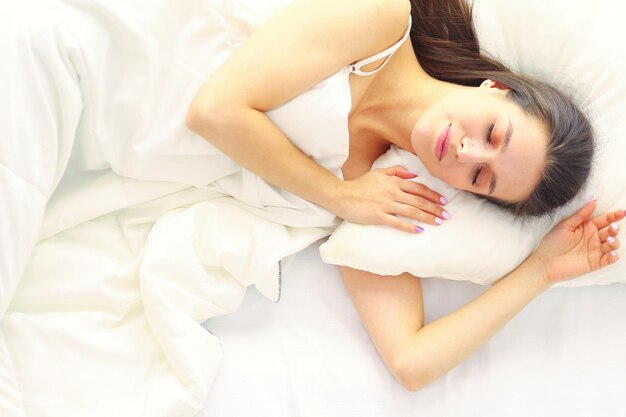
{"x": 355, "y": 68}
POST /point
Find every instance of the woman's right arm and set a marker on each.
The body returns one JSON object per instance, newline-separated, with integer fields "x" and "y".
{"x": 303, "y": 44}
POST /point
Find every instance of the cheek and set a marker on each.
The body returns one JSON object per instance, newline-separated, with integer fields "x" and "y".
{"x": 420, "y": 138}
{"x": 454, "y": 175}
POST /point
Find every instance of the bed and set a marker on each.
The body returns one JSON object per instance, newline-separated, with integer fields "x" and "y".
{"x": 130, "y": 288}
{"x": 309, "y": 355}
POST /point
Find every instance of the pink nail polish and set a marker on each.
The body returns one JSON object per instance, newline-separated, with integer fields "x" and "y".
{"x": 419, "y": 229}
{"x": 614, "y": 226}
{"x": 613, "y": 253}
{"x": 611, "y": 240}
{"x": 446, "y": 215}
{"x": 413, "y": 172}
{"x": 444, "y": 201}
{"x": 438, "y": 220}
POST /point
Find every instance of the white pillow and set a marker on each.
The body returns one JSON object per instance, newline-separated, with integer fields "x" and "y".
{"x": 573, "y": 45}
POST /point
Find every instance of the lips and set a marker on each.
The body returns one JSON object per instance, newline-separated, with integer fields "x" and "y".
{"x": 442, "y": 143}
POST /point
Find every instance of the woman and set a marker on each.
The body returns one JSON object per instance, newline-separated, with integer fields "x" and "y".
{"x": 517, "y": 142}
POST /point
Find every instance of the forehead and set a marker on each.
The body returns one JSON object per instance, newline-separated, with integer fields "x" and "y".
{"x": 518, "y": 169}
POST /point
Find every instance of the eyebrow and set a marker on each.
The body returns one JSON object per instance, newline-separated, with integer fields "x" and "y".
{"x": 507, "y": 137}
{"x": 505, "y": 144}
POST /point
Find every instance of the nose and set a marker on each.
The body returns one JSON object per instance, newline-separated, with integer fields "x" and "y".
{"x": 470, "y": 151}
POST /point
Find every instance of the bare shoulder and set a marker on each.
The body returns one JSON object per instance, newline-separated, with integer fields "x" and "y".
{"x": 375, "y": 24}
{"x": 357, "y": 27}
{"x": 304, "y": 43}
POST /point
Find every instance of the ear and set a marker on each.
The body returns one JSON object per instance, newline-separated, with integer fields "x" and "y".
{"x": 495, "y": 86}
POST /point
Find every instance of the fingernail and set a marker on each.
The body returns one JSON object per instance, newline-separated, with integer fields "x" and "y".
{"x": 613, "y": 253}
{"x": 419, "y": 229}
{"x": 611, "y": 240}
{"x": 438, "y": 220}
{"x": 414, "y": 173}
{"x": 446, "y": 215}
{"x": 614, "y": 226}
{"x": 444, "y": 202}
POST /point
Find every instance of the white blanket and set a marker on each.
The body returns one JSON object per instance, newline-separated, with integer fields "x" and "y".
{"x": 134, "y": 250}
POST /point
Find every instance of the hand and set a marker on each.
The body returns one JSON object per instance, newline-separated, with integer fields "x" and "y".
{"x": 378, "y": 195}
{"x": 579, "y": 245}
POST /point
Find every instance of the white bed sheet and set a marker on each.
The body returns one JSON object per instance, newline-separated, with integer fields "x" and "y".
{"x": 309, "y": 355}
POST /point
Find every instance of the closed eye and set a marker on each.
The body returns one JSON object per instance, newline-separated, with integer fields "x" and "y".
{"x": 489, "y": 132}
{"x": 476, "y": 175}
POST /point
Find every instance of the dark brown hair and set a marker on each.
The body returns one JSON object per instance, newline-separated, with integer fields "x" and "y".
{"x": 445, "y": 43}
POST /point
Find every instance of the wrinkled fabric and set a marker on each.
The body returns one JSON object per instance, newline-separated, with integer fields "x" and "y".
{"x": 121, "y": 230}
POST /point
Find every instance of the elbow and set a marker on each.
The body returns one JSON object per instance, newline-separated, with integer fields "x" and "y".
{"x": 212, "y": 119}
{"x": 200, "y": 115}
{"x": 411, "y": 377}
{"x": 208, "y": 113}
{"x": 191, "y": 119}
{"x": 410, "y": 382}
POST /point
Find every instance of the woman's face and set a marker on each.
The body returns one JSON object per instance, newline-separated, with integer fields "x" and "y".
{"x": 477, "y": 140}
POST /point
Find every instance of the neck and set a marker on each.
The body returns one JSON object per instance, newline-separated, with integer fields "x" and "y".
{"x": 395, "y": 100}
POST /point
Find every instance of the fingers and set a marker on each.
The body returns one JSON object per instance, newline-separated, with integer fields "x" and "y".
{"x": 399, "y": 171}
{"x": 606, "y": 219}
{"x": 610, "y": 243}
{"x": 411, "y": 212}
{"x": 419, "y": 189}
{"x": 423, "y": 210}
{"x": 608, "y": 229}
{"x": 609, "y": 258}
{"x": 414, "y": 201}
{"x": 396, "y": 223}
{"x": 414, "y": 187}
{"x": 573, "y": 221}
{"x": 611, "y": 230}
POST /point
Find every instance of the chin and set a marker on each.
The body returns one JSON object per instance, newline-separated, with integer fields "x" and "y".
{"x": 439, "y": 172}
{"x": 434, "y": 170}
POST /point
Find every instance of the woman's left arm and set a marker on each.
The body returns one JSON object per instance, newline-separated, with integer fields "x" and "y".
{"x": 391, "y": 310}
{"x": 391, "y": 307}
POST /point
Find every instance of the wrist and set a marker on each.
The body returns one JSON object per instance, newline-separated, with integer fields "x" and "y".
{"x": 539, "y": 270}
{"x": 332, "y": 195}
